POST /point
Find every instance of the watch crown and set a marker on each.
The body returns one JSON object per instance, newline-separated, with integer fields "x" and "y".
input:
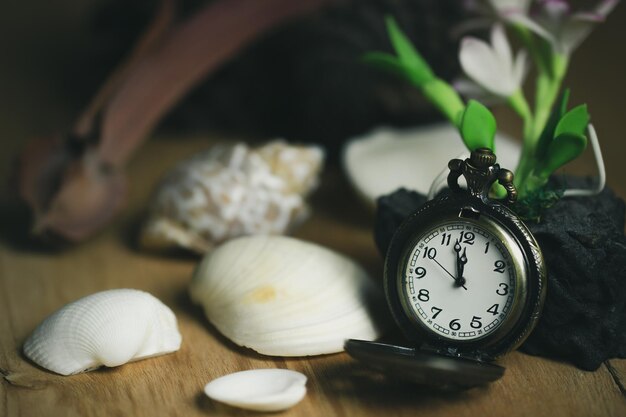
{"x": 482, "y": 158}
{"x": 481, "y": 171}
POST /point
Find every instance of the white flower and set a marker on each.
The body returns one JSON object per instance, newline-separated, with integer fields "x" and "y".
{"x": 556, "y": 23}
{"x": 492, "y": 67}
{"x": 470, "y": 90}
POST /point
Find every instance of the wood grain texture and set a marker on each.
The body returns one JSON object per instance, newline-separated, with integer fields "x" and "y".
{"x": 35, "y": 282}
{"x": 617, "y": 368}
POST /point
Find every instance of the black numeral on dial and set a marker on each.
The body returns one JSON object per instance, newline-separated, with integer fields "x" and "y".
{"x": 503, "y": 290}
{"x": 475, "y": 323}
{"x": 467, "y": 237}
{"x": 423, "y": 295}
{"x": 445, "y": 239}
{"x": 455, "y": 325}
{"x": 493, "y": 309}
{"x": 499, "y": 266}
{"x": 430, "y": 253}
{"x": 435, "y": 311}
{"x": 420, "y": 272}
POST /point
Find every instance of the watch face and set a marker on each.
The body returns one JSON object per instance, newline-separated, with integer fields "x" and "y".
{"x": 458, "y": 280}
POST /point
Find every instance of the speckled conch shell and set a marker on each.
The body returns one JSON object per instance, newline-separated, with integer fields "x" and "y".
{"x": 286, "y": 297}
{"x": 259, "y": 389}
{"x": 230, "y": 191}
{"x": 107, "y": 328}
{"x": 409, "y": 158}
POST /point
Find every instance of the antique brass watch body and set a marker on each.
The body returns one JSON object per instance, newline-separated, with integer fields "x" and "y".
{"x": 464, "y": 280}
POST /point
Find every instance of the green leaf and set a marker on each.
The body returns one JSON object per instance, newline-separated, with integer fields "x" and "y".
{"x": 548, "y": 132}
{"x": 410, "y": 65}
{"x": 574, "y": 121}
{"x": 408, "y": 56}
{"x": 564, "y": 148}
{"x": 446, "y": 99}
{"x": 478, "y": 126}
{"x": 385, "y": 62}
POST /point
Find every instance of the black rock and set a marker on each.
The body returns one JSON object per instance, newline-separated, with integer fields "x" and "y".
{"x": 584, "y": 317}
{"x": 583, "y": 242}
{"x": 391, "y": 210}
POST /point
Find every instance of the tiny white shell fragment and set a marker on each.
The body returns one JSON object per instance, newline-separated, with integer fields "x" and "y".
{"x": 230, "y": 191}
{"x": 386, "y": 159}
{"x": 285, "y": 297}
{"x": 259, "y": 389}
{"x": 107, "y": 328}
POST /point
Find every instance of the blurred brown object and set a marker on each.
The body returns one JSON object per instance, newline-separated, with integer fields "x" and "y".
{"x": 75, "y": 185}
{"x": 306, "y": 81}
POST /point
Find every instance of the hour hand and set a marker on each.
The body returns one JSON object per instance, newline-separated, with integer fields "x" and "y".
{"x": 461, "y": 260}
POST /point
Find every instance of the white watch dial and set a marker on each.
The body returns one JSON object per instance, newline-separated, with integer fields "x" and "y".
{"x": 459, "y": 281}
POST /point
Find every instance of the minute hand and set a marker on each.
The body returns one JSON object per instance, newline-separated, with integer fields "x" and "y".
{"x": 461, "y": 260}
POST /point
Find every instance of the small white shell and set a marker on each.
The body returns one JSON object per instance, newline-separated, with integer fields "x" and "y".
{"x": 285, "y": 297}
{"x": 106, "y": 328}
{"x": 386, "y": 159}
{"x": 230, "y": 191}
{"x": 259, "y": 389}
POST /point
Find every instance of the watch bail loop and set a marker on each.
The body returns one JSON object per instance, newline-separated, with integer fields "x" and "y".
{"x": 481, "y": 171}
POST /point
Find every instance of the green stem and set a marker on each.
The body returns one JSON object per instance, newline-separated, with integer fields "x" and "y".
{"x": 547, "y": 90}
{"x": 518, "y": 102}
{"x": 538, "y": 54}
{"x": 445, "y": 98}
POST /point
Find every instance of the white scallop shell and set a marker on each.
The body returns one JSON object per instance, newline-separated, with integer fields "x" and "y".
{"x": 386, "y": 159}
{"x": 259, "y": 389}
{"x": 286, "y": 297}
{"x": 230, "y": 191}
{"x": 107, "y": 328}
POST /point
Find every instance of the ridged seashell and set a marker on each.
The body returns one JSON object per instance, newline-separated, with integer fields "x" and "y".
{"x": 286, "y": 297}
{"x": 259, "y": 389}
{"x": 230, "y": 191}
{"x": 107, "y": 328}
{"x": 409, "y": 158}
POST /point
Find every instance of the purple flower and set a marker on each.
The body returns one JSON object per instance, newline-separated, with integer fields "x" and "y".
{"x": 555, "y": 21}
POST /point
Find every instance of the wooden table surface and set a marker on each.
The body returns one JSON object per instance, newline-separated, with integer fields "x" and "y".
{"x": 34, "y": 282}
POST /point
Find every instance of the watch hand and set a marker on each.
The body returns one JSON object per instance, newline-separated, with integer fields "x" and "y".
{"x": 448, "y": 272}
{"x": 461, "y": 260}
{"x": 460, "y": 264}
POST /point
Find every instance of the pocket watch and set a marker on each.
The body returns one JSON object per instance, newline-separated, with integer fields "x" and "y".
{"x": 464, "y": 279}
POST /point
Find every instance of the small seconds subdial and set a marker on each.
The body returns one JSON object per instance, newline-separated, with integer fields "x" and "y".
{"x": 459, "y": 280}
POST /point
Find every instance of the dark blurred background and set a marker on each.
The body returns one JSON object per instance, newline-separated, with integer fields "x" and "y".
{"x": 303, "y": 81}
